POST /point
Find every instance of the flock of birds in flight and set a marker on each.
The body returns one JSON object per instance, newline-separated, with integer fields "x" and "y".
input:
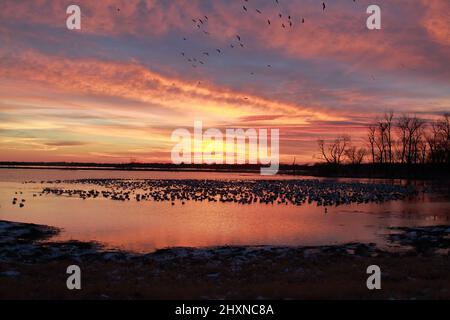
{"x": 286, "y": 21}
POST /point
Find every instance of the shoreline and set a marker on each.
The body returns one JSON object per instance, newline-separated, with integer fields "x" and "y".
{"x": 28, "y": 254}
{"x": 395, "y": 171}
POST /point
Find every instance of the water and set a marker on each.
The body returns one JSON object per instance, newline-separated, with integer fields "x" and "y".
{"x": 147, "y": 226}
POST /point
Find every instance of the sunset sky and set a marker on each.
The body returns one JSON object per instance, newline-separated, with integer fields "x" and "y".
{"x": 116, "y": 89}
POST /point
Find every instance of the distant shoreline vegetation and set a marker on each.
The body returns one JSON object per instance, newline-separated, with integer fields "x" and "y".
{"x": 362, "y": 170}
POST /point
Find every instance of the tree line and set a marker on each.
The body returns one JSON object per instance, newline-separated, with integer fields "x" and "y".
{"x": 405, "y": 139}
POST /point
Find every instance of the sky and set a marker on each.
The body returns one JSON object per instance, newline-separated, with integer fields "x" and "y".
{"x": 115, "y": 90}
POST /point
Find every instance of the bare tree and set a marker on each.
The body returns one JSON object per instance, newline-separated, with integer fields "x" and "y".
{"x": 410, "y": 137}
{"x": 444, "y": 129}
{"x": 371, "y": 136}
{"x": 432, "y": 139}
{"x": 388, "y": 120}
{"x": 355, "y": 155}
{"x": 334, "y": 151}
{"x": 438, "y": 140}
{"x": 382, "y": 136}
{"x": 381, "y": 141}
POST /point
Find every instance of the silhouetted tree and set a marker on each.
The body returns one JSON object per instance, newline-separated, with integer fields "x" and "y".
{"x": 438, "y": 140}
{"x": 355, "y": 155}
{"x": 410, "y": 138}
{"x": 406, "y": 139}
{"x": 371, "y": 136}
{"x": 333, "y": 152}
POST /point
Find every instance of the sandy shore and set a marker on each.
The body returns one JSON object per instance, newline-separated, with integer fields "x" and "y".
{"x": 34, "y": 267}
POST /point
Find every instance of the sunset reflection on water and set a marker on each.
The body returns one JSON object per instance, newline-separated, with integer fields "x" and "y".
{"x": 148, "y": 225}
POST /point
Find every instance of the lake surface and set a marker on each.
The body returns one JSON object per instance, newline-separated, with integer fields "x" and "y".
{"x": 148, "y": 225}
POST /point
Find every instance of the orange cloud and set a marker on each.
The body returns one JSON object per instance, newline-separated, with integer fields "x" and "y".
{"x": 437, "y": 20}
{"x": 134, "y": 82}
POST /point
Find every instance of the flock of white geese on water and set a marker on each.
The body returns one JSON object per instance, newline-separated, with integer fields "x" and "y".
{"x": 244, "y": 192}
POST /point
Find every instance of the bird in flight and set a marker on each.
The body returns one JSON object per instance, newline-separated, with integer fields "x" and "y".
{"x": 323, "y": 6}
